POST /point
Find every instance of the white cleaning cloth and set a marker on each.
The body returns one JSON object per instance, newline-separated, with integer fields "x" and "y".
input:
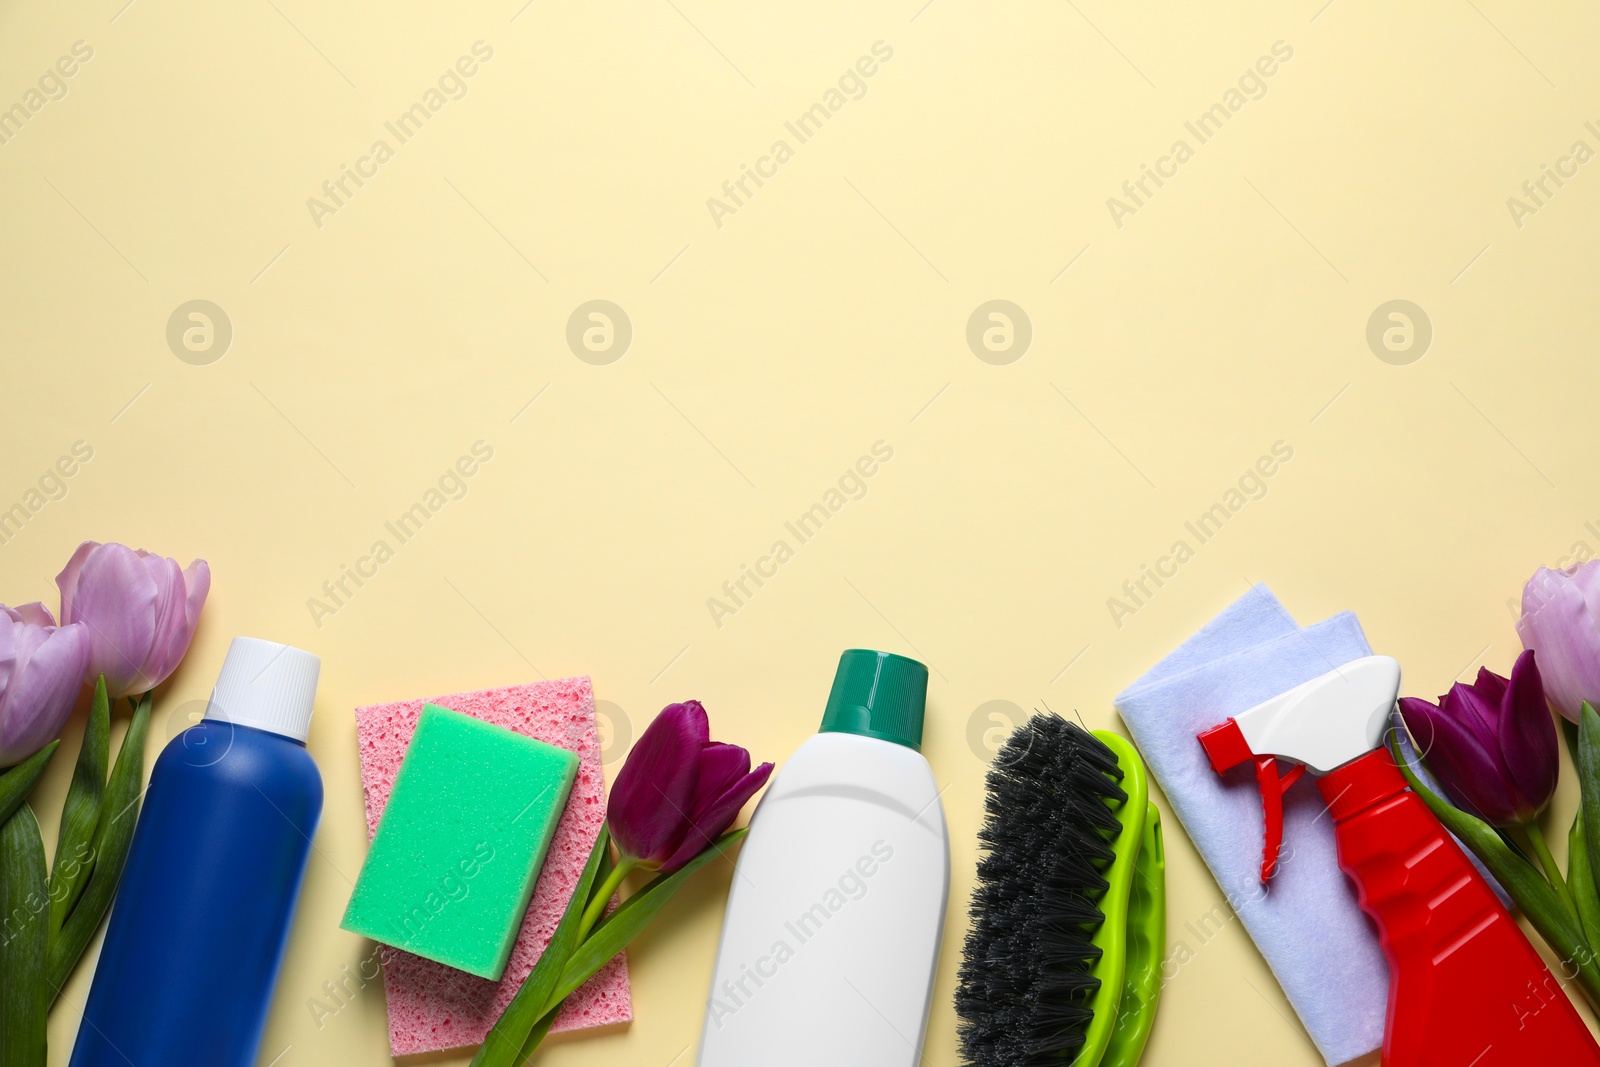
{"x": 1307, "y": 924}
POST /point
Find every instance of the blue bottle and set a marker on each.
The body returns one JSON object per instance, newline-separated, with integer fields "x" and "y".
{"x": 199, "y": 924}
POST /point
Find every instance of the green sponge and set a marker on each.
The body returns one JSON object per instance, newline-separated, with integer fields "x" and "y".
{"x": 461, "y": 842}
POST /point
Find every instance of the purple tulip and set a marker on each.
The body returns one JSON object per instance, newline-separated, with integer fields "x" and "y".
{"x": 140, "y": 611}
{"x": 678, "y": 790}
{"x": 42, "y": 667}
{"x": 1491, "y": 744}
{"x": 1561, "y": 621}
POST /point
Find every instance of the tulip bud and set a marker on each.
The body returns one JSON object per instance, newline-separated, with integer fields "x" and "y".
{"x": 1561, "y": 621}
{"x": 679, "y": 790}
{"x": 42, "y": 666}
{"x": 1491, "y": 744}
{"x": 140, "y": 611}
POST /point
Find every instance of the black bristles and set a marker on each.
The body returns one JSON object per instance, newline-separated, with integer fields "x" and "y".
{"x": 1026, "y": 981}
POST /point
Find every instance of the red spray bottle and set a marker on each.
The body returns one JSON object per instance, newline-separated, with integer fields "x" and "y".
{"x": 1465, "y": 986}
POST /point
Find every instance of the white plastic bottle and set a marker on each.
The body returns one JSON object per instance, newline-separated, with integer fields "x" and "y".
{"x": 837, "y": 906}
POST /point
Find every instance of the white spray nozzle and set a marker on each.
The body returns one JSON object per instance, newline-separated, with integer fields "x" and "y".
{"x": 1328, "y": 721}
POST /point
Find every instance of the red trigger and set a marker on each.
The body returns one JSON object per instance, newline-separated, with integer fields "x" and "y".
{"x": 1272, "y": 790}
{"x": 1227, "y": 748}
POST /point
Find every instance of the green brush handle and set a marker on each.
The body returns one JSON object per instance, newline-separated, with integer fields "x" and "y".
{"x": 1112, "y": 937}
{"x": 1147, "y": 944}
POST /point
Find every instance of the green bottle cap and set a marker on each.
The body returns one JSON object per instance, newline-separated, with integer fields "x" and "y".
{"x": 878, "y": 694}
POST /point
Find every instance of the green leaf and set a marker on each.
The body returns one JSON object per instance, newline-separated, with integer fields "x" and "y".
{"x": 18, "y": 782}
{"x": 81, "y": 812}
{"x": 113, "y": 835}
{"x": 614, "y": 932}
{"x": 24, "y": 938}
{"x": 1587, "y": 758}
{"x": 1526, "y": 885}
{"x": 540, "y": 1030}
{"x": 1580, "y": 881}
{"x": 717, "y": 848}
{"x": 503, "y": 1047}
{"x": 1570, "y": 730}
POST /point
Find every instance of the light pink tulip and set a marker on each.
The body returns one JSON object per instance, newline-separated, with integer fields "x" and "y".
{"x": 140, "y": 610}
{"x": 42, "y": 667}
{"x": 1561, "y": 623}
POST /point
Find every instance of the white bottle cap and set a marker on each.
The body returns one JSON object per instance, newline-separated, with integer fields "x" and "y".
{"x": 266, "y": 685}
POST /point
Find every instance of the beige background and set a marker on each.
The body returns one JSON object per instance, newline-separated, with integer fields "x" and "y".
{"x": 827, "y": 313}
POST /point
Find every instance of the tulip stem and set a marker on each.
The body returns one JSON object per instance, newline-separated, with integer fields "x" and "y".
{"x": 603, "y": 895}
{"x": 1548, "y": 862}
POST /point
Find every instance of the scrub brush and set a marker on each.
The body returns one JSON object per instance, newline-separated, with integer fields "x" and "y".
{"x": 1063, "y": 961}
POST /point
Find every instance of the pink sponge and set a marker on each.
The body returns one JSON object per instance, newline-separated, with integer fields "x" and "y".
{"x": 433, "y": 1007}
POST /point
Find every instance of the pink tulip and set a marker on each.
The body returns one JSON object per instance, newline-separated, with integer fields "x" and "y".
{"x": 1561, "y": 622}
{"x": 140, "y": 611}
{"x": 42, "y": 667}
